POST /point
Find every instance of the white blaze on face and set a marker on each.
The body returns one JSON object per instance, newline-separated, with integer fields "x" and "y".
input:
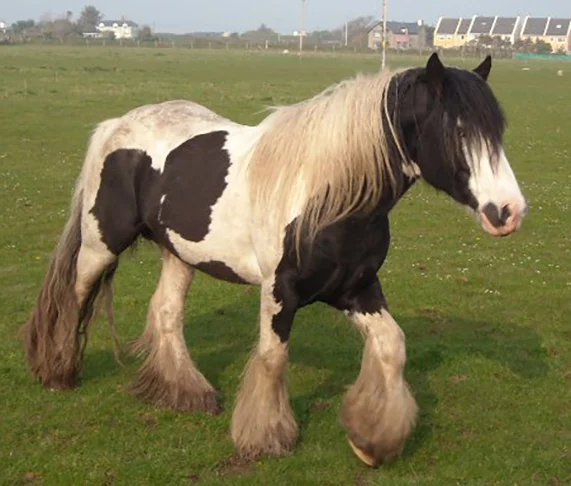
{"x": 501, "y": 205}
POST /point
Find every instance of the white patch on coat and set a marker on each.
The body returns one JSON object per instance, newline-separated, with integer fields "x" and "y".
{"x": 489, "y": 184}
{"x": 493, "y": 181}
{"x": 159, "y": 216}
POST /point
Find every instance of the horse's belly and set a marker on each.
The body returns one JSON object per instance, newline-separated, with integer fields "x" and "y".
{"x": 226, "y": 256}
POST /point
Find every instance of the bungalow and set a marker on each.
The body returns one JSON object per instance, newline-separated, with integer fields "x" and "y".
{"x": 400, "y": 35}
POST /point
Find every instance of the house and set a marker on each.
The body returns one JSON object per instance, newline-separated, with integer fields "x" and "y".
{"x": 457, "y": 32}
{"x": 506, "y": 28}
{"x": 3, "y": 27}
{"x": 555, "y": 31}
{"x": 446, "y": 32}
{"x": 480, "y": 26}
{"x": 400, "y": 35}
{"x": 123, "y": 29}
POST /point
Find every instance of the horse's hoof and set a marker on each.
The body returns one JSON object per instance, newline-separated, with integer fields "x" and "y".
{"x": 366, "y": 458}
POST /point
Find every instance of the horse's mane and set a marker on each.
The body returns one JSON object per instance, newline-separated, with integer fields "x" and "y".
{"x": 327, "y": 157}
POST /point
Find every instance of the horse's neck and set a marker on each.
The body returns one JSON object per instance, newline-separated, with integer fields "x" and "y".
{"x": 390, "y": 198}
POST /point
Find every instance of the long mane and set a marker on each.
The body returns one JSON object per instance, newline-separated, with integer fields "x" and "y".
{"x": 326, "y": 157}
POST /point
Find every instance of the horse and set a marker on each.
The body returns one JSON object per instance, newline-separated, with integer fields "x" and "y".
{"x": 298, "y": 205}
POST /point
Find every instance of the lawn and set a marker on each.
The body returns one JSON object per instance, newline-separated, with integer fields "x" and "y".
{"x": 487, "y": 320}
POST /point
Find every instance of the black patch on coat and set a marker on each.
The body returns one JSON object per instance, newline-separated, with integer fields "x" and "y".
{"x": 339, "y": 268}
{"x": 220, "y": 271}
{"x": 116, "y": 205}
{"x": 193, "y": 179}
{"x": 128, "y": 202}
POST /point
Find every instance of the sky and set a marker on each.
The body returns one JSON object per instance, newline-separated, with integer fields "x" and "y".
{"x": 180, "y": 16}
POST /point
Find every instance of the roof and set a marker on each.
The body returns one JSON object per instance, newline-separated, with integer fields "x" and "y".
{"x": 411, "y": 28}
{"x": 109, "y": 23}
{"x": 464, "y": 26}
{"x": 477, "y": 25}
{"x": 447, "y": 25}
{"x": 399, "y": 27}
{"x": 558, "y": 27}
{"x": 535, "y": 26}
{"x": 504, "y": 26}
{"x": 482, "y": 25}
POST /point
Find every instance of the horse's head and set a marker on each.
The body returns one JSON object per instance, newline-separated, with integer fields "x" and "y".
{"x": 453, "y": 127}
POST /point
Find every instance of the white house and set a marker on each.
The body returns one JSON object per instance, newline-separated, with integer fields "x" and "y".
{"x": 123, "y": 29}
{"x": 3, "y": 27}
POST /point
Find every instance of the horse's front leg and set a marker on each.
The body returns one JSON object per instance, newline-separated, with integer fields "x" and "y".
{"x": 378, "y": 410}
{"x": 263, "y": 422}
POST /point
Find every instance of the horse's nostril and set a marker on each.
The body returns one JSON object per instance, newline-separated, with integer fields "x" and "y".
{"x": 496, "y": 216}
{"x": 505, "y": 214}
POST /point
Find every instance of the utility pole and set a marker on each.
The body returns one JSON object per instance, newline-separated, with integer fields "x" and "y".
{"x": 302, "y": 27}
{"x": 384, "y": 46}
{"x": 346, "y": 34}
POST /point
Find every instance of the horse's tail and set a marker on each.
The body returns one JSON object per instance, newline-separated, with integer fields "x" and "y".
{"x": 55, "y": 332}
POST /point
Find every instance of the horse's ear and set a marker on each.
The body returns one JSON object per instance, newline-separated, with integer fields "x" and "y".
{"x": 434, "y": 74}
{"x": 483, "y": 70}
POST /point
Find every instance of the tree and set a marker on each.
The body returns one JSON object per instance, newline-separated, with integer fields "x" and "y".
{"x": 145, "y": 34}
{"x": 63, "y": 27}
{"x": 522, "y": 45}
{"x": 542, "y": 47}
{"x": 89, "y": 18}
{"x": 485, "y": 40}
{"x": 23, "y": 26}
{"x": 357, "y": 30}
{"x": 263, "y": 28}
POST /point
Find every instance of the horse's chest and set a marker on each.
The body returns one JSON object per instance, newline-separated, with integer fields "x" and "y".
{"x": 344, "y": 259}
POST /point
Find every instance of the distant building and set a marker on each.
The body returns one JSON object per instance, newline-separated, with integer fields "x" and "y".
{"x": 555, "y": 31}
{"x": 3, "y": 27}
{"x": 123, "y": 29}
{"x": 447, "y": 32}
{"x": 458, "y": 31}
{"x": 454, "y": 32}
{"x": 400, "y": 35}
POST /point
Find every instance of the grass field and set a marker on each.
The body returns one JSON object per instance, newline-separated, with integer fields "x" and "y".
{"x": 487, "y": 321}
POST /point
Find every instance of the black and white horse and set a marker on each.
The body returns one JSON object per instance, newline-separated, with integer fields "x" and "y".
{"x": 298, "y": 205}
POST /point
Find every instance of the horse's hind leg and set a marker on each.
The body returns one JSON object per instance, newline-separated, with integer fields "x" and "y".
{"x": 169, "y": 377}
{"x": 65, "y": 306}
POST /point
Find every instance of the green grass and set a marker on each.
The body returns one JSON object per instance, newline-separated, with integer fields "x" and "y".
{"x": 487, "y": 320}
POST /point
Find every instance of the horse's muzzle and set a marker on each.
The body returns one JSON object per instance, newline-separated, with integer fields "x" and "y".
{"x": 504, "y": 220}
